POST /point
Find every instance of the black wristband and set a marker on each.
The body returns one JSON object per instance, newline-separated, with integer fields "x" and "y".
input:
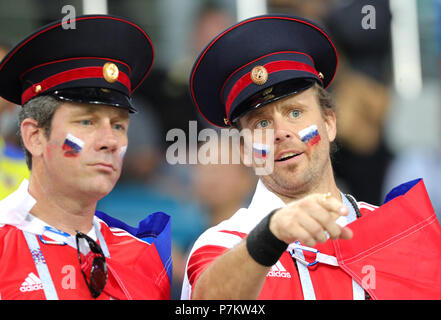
{"x": 262, "y": 244}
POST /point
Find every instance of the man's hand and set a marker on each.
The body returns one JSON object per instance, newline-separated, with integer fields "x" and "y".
{"x": 307, "y": 219}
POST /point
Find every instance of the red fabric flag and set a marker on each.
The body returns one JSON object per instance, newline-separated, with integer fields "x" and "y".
{"x": 395, "y": 252}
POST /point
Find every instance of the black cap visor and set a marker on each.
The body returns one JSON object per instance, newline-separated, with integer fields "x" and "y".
{"x": 271, "y": 94}
{"x": 102, "y": 96}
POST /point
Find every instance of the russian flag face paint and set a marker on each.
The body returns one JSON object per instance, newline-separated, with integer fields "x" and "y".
{"x": 310, "y": 135}
{"x": 122, "y": 152}
{"x": 260, "y": 150}
{"x": 72, "y": 146}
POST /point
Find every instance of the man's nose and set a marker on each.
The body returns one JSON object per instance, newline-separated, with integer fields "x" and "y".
{"x": 106, "y": 138}
{"x": 282, "y": 131}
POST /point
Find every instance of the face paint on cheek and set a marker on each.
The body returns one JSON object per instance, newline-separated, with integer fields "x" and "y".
{"x": 310, "y": 135}
{"x": 122, "y": 152}
{"x": 263, "y": 153}
{"x": 72, "y": 146}
{"x": 261, "y": 150}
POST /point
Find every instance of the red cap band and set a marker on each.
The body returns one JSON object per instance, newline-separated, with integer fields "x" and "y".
{"x": 271, "y": 67}
{"x": 67, "y": 76}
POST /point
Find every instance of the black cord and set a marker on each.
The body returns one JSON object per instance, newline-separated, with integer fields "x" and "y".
{"x": 358, "y": 214}
{"x": 354, "y": 205}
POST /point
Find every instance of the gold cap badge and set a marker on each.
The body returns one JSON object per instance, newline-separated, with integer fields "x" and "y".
{"x": 110, "y": 72}
{"x": 321, "y": 76}
{"x": 259, "y": 75}
{"x": 37, "y": 88}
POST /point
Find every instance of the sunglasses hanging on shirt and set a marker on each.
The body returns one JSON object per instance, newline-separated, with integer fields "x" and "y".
{"x": 94, "y": 261}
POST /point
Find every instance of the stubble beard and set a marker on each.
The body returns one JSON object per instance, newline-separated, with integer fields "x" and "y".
{"x": 295, "y": 181}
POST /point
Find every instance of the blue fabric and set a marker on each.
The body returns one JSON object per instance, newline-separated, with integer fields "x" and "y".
{"x": 13, "y": 152}
{"x": 130, "y": 202}
{"x": 401, "y": 189}
{"x": 153, "y": 229}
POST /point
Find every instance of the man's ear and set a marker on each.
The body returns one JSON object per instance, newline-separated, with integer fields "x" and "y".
{"x": 331, "y": 124}
{"x": 33, "y": 137}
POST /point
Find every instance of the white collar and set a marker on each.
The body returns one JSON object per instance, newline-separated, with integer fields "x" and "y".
{"x": 15, "y": 211}
{"x": 264, "y": 201}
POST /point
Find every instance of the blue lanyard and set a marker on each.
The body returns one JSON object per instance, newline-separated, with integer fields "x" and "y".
{"x": 305, "y": 277}
{"x": 40, "y": 264}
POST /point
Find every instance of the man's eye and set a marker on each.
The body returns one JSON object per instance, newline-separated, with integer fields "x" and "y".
{"x": 295, "y": 113}
{"x": 118, "y": 126}
{"x": 86, "y": 122}
{"x": 262, "y": 124}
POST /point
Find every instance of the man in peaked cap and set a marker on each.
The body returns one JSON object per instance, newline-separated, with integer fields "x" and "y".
{"x": 74, "y": 86}
{"x": 270, "y": 72}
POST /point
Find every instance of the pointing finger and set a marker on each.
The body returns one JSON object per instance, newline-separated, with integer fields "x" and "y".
{"x": 330, "y": 203}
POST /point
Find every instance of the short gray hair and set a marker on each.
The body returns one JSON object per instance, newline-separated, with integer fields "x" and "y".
{"x": 42, "y": 110}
